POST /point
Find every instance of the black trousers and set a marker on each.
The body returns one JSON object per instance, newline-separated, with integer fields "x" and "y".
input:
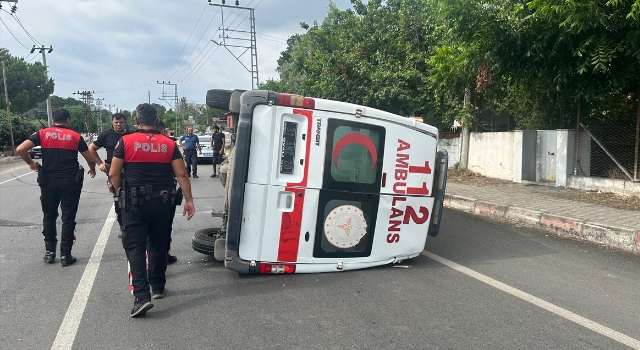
{"x": 217, "y": 159}
{"x": 148, "y": 224}
{"x": 191, "y": 159}
{"x": 63, "y": 192}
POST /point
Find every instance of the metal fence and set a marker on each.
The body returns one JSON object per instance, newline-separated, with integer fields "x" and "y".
{"x": 614, "y": 152}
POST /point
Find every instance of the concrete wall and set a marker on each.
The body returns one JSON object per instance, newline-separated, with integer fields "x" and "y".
{"x": 622, "y": 187}
{"x": 530, "y": 155}
{"x": 492, "y": 154}
{"x": 453, "y": 147}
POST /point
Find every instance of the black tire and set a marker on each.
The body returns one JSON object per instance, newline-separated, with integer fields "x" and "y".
{"x": 234, "y": 101}
{"x": 219, "y": 98}
{"x": 203, "y": 240}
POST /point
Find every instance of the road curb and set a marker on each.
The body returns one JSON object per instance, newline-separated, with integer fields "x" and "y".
{"x": 619, "y": 237}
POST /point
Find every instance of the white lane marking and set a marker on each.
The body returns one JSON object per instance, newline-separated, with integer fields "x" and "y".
{"x": 31, "y": 172}
{"x": 71, "y": 322}
{"x": 564, "y": 313}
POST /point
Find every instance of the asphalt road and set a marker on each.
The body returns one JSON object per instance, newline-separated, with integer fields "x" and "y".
{"x": 478, "y": 285}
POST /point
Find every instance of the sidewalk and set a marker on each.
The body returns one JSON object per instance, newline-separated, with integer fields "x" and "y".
{"x": 531, "y": 204}
{"x": 5, "y": 160}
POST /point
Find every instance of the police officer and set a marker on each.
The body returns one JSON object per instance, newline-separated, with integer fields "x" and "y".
{"x": 108, "y": 140}
{"x": 60, "y": 178}
{"x": 150, "y": 161}
{"x": 217, "y": 145}
{"x": 190, "y": 146}
{"x": 170, "y": 258}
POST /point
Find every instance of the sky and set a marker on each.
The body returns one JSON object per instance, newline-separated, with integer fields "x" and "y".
{"x": 120, "y": 49}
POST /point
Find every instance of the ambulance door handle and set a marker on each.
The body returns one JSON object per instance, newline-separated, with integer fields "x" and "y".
{"x": 285, "y": 201}
{"x": 384, "y": 179}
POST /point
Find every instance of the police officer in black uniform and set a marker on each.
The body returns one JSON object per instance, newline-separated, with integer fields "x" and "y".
{"x": 177, "y": 199}
{"x": 150, "y": 161}
{"x": 217, "y": 145}
{"x": 60, "y": 178}
{"x": 108, "y": 140}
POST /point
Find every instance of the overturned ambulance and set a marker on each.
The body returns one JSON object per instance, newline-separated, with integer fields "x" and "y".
{"x": 314, "y": 185}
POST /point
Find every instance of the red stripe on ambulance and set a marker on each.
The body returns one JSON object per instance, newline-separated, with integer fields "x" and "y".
{"x": 291, "y": 223}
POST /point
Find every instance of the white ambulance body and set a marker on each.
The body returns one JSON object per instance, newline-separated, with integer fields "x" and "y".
{"x": 318, "y": 186}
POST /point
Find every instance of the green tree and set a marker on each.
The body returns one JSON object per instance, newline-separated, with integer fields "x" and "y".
{"x": 21, "y": 127}
{"x": 27, "y": 84}
{"x": 375, "y": 56}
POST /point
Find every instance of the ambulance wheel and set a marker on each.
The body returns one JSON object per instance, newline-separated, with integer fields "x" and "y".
{"x": 203, "y": 240}
{"x": 219, "y": 98}
{"x": 234, "y": 101}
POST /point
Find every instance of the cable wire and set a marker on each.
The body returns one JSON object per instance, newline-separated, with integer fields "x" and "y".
{"x": 185, "y": 44}
{"x": 182, "y": 75}
{"x": 196, "y": 45}
{"x": 5, "y": 25}
{"x": 186, "y": 76}
{"x": 127, "y": 88}
{"x": 15, "y": 16}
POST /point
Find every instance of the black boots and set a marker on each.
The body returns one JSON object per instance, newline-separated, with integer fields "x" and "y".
{"x": 65, "y": 256}
{"x": 49, "y": 257}
{"x": 50, "y": 253}
{"x": 67, "y": 260}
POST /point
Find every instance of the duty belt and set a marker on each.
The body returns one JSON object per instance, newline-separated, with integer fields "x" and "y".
{"x": 141, "y": 194}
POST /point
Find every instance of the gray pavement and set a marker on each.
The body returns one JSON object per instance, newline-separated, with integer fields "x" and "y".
{"x": 533, "y": 205}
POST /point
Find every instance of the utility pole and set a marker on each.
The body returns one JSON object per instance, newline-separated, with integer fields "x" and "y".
{"x": 243, "y": 36}
{"x": 87, "y": 97}
{"x": 168, "y": 97}
{"x": 46, "y": 74}
{"x": 99, "y": 111}
{"x": 466, "y": 134}
{"x": 6, "y": 99}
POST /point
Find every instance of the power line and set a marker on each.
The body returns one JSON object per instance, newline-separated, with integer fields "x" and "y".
{"x": 186, "y": 77}
{"x": 185, "y": 44}
{"x": 274, "y": 40}
{"x": 5, "y": 25}
{"x": 195, "y": 46}
{"x": 271, "y": 36}
{"x": 184, "y": 74}
{"x": 133, "y": 87}
{"x": 25, "y": 30}
{"x": 196, "y": 61}
{"x": 236, "y": 42}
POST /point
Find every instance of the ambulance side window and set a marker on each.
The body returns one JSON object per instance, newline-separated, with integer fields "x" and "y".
{"x": 354, "y": 156}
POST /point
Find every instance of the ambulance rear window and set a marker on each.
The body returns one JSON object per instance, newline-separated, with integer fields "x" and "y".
{"x": 345, "y": 224}
{"x": 354, "y": 156}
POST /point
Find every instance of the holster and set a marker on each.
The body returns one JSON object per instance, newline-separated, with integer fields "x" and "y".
{"x": 121, "y": 198}
{"x": 178, "y": 196}
{"x": 42, "y": 177}
{"x": 80, "y": 174}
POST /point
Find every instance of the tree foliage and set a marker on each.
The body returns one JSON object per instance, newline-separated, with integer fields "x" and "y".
{"x": 539, "y": 60}
{"x": 27, "y": 84}
{"x": 21, "y": 127}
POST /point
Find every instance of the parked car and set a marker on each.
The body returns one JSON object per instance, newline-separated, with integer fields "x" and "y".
{"x": 207, "y": 152}
{"x": 35, "y": 152}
